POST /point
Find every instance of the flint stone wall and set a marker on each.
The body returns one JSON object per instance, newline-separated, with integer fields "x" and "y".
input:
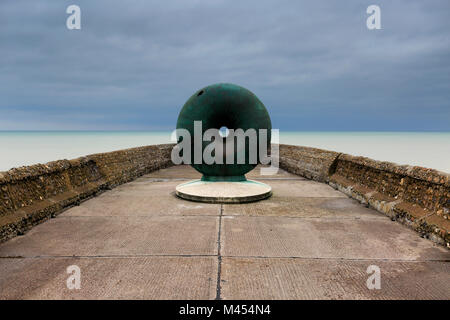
{"x": 416, "y": 196}
{"x": 30, "y": 195}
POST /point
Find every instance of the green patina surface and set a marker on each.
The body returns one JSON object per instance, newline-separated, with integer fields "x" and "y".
{"x": 224, "y": 105}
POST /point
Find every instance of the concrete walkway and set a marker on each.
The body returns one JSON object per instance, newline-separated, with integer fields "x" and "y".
{"x": 308, "y": 241}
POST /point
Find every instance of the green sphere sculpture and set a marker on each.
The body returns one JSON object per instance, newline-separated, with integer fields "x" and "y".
{"x": 225, "y": 105}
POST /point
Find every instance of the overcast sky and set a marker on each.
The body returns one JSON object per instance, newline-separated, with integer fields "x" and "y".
{"x": 314, "y": 64}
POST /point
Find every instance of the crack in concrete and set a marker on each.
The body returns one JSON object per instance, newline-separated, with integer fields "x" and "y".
{"x": 219, "y": 257}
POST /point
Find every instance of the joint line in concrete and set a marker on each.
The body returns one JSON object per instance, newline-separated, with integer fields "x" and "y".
{"x": 219, "y": 256}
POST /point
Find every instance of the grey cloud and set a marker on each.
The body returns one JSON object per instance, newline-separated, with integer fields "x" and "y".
{"x": 314, "y": 64}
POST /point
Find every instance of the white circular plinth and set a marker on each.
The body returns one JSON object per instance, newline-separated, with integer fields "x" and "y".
{"x": 223, "y": 192}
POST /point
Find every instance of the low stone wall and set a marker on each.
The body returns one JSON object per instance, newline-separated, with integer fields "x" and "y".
{"x": 30, "y": 195}
{"x": 312, "y": 163}
{"x": 415, "y": 196}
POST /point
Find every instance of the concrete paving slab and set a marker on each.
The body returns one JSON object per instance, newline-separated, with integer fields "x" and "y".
{"x": 303, "y": 188}
{"x": 141, "y": 205}
{"x": 281, "y": 174}
{"x": 333, "y": 207}
{"x": 143, "y": 188}
{"x": 324, "y": 238}
{"x": 244, "y": 278}
{"x": 174, "y": 172}
{"x": 110, "y": 278}
{"x": 100, "y": 236}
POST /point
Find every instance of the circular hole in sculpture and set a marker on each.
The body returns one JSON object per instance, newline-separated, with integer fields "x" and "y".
{"x": 224, "y": 132}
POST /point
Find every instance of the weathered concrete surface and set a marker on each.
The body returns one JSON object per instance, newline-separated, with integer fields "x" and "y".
{"x": 323, "y": 238}
{"x": 152, "y": 277}
{"x": 288, "y": 206}
{"x": 287, "y": 278}
{"x": 143, "y": 197}
{"x": 117, "y": 236}
{"x": 308, "y": 241}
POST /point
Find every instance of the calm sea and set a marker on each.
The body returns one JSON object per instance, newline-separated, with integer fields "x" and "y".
{"x": 430, "y": 150}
